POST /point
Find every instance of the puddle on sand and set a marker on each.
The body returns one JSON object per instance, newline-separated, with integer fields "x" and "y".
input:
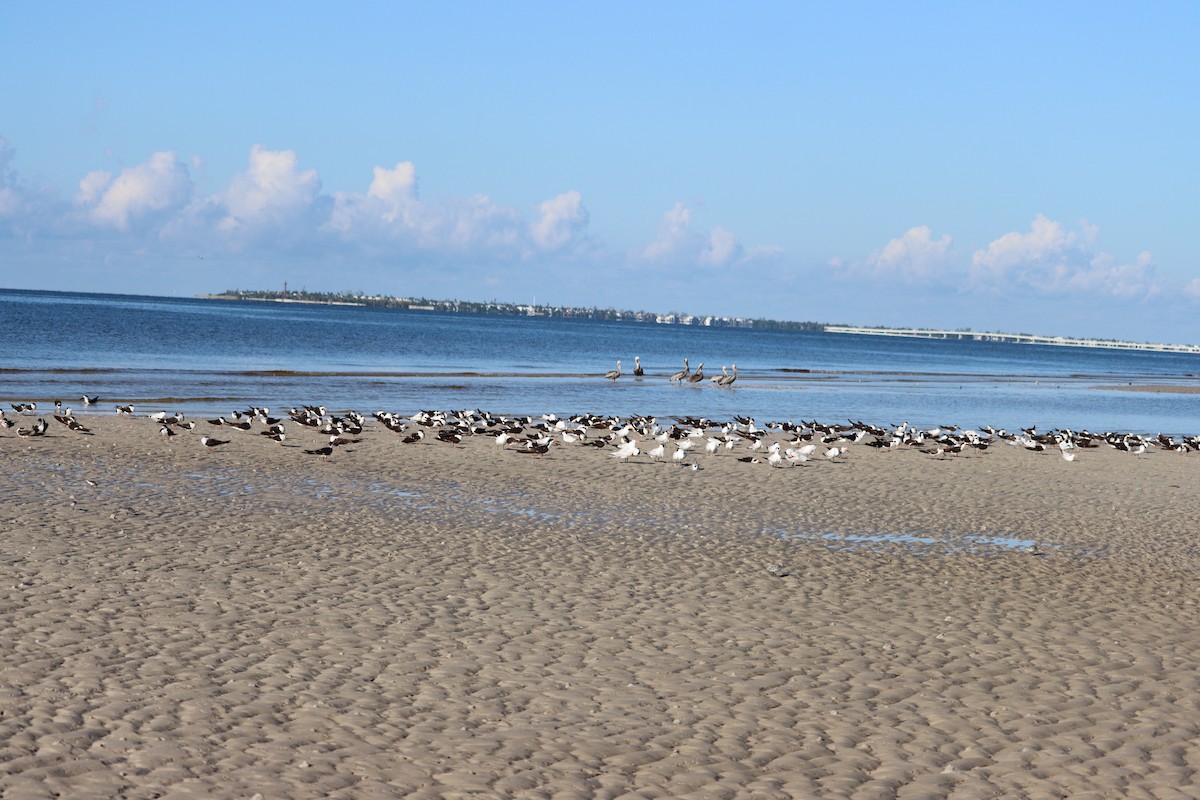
{"x": 961, "y": 543}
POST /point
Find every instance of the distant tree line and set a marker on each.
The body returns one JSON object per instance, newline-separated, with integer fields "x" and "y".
{"x": 497, "y": 308}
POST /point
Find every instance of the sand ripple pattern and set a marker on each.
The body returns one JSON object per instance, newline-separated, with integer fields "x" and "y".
{"x": 459, "y": 622}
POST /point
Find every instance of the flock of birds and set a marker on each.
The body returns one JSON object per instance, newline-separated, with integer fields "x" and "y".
{"x": 682, "y": 440}
{"x": 685, "y": 375}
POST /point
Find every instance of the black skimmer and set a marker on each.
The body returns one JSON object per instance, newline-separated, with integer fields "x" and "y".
{"x": 683, "y": 373}
{"x": 90, "y": 401}
{"x": 637, "y": 367}
{"x": 127, "y": 410}
{"x": 613, "y": 374}
{"x": 166, "y": 431}
{"x": 24, "y": 408}
{"x": 324, "y": 452}
{"x": 208, "y": 441}
{"x": 5, "y": 422}
{"x": 38, "y": 429}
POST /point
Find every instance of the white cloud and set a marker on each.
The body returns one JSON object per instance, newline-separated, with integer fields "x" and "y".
{"x": 159, "y": 184}
{"x": 561, "y": 219}
{"x": 915, "y": 257}
{"x": 395, "y": 188}
{"x": 1192, "y": 289}
{"x": 271, "y": 192}
{"x": 679, "y": 244}
{"x": 1049, "y": 258}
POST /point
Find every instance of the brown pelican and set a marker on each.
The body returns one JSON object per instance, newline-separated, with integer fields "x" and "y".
{"x": 637, "y": 367}
{"x": 727, "y": 380}
{"x": 613, "y": 374}
{"x": 719, "y": 379}
{"x": 683, "y": 373}
{"x": 698, "y": 375}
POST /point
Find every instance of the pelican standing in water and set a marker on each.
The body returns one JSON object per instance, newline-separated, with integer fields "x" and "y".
{"x": 613, "y": 374}
{"x": 719, "y": 380}
{"x": 727, "y": 380}
{"x": 637, "y": 367}
{"x": 698, "y": 375}
{"x": 683, "y": 373}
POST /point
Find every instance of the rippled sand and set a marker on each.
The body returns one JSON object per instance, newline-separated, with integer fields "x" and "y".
{"x": 447, "y": 621}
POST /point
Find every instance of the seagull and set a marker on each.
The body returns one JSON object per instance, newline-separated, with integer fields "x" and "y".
{"x": 208, "y": 441}
{"x": 627, "y": 450}
{"x": 613, "y": 374}
{"x": 658, "y": 453}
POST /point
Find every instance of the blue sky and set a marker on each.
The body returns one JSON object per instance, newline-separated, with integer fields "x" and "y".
{"x": 1001, "y": 166}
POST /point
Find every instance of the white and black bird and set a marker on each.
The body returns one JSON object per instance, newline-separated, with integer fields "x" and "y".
{"x": 210, "y": 442}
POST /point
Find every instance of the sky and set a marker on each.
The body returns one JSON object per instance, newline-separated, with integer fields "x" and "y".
{"x": 1017, "y": 166}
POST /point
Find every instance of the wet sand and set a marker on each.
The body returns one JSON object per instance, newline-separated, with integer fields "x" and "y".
{"x": 433, "y": 620}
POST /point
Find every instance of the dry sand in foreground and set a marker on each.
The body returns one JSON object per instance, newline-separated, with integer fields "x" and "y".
{"x": 445, "y": 621}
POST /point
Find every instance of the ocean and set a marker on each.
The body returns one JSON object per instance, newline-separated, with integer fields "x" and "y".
{"x": 208, "y": 357}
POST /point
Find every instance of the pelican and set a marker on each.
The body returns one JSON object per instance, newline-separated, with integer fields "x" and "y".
{"x": 683, "y": 373}
{"x": 613, "y": 374}
{"x": 727, "y": 380}
{"x": 698, "y": 375}
{"x": 719, "y": 380}
{"x": 637, "y": 367}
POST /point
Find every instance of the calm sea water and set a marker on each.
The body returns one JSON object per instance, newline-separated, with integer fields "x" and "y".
{"x": 212, "y": 356}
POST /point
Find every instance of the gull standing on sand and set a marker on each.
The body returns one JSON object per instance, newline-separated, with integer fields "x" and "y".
{"x": 627, "y": 450}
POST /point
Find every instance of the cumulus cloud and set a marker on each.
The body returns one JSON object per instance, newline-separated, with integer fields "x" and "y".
{"x": 678, "y": 243}
{"x": 1050, "y": 258}
{"x": 560, "y": 220}
{"x": 272, "y": 191}
{"x": 915, "y": 257}
{"x": 160, "y": 184}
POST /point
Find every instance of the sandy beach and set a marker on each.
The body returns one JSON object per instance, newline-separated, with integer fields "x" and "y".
{"x": 433, "y": 620}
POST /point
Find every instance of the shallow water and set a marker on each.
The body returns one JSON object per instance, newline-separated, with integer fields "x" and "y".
{"x": 207, "y": 357}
